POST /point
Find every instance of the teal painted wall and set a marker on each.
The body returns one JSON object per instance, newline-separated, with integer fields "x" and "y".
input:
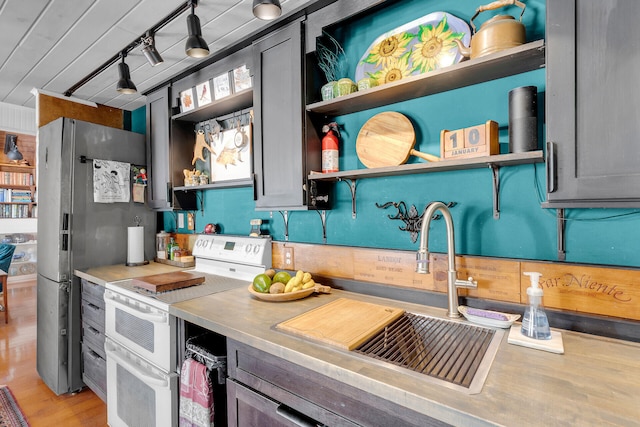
{"x": 139, "y": 120}
{"x": 524, "y": 230}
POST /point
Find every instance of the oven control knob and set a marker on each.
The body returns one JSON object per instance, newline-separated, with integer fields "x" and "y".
{"x": 248, "y": 248}
{"x": 256, "y": 249}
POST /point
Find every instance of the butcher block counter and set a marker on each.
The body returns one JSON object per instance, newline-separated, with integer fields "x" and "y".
{"x": 113, "y": 273}
{"x": 596, "y": 382}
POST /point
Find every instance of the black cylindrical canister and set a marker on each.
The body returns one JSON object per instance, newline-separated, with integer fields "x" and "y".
{"x": 523, "y": 119}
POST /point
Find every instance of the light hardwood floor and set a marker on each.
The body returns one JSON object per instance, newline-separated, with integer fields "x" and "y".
{"x": 18, "y": 370}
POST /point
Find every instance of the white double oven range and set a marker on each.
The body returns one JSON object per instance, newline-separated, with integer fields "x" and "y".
{"x": 143, "y": 341}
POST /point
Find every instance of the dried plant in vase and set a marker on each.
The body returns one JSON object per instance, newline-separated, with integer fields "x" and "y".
{"x": 332, "y": 61}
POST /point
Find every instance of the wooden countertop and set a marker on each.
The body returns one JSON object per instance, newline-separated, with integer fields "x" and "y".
{"x": 595, "y": 383}
{"x": 112, "y": 273}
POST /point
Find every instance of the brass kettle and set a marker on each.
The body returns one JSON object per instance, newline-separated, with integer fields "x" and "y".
{"x": 498, "y": 33}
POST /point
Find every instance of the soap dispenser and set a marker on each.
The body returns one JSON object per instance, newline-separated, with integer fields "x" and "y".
{"x": 535, "y": 323}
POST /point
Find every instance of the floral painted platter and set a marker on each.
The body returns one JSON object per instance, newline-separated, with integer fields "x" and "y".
{"x": 422, "y": 45}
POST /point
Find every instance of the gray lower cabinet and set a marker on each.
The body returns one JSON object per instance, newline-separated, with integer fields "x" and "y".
{"x": 94, "y": 360}
{"x": 163, "y": 151}
{"x": 282, "y": 155}
{"x": 266, "y": 390}
{"x": 592, "y": 103}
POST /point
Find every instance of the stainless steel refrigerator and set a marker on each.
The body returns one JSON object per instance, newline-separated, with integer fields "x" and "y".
{"x": 74, "y": 233}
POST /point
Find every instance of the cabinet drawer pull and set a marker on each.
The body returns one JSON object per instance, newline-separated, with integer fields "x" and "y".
{"x": 295, "y": 417}
{"x": 93, "y": 330}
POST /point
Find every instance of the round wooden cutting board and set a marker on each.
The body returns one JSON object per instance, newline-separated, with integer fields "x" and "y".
{"x": 387, "y": 139}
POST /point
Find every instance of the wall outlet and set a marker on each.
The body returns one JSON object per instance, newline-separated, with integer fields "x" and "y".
{"x": 191, "y": 221}
{"x": 181, "y": 220}
{"x": 288, "y": 258}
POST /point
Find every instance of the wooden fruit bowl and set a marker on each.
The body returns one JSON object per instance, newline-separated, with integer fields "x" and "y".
{"x": 289, "y": 296}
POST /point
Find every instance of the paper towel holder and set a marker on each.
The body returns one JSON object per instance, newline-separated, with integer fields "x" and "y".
{"x": 136, "y": 264}
{"x": 137, "y": 221}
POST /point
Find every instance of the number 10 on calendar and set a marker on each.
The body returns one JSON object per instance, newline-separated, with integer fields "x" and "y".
{"x": 474, "y": 141}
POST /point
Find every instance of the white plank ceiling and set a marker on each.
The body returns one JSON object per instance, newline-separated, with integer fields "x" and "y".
{"x": 51, "y": 45}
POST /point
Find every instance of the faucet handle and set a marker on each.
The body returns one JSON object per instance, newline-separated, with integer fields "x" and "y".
{"x": 469, "y": 283}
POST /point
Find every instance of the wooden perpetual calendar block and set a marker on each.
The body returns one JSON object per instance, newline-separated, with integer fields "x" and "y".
{"x": 474, "y": 141}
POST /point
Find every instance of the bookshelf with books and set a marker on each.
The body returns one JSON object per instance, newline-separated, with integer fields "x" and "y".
{"x": 17, "y": 191}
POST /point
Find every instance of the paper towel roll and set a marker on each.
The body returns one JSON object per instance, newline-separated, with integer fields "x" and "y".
{"x": 135, "y": 245}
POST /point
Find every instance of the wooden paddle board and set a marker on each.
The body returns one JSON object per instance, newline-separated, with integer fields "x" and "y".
{"x": 168, "y": 281}
{"x": 343, "y": 323}
{"x": 387, "y": 139}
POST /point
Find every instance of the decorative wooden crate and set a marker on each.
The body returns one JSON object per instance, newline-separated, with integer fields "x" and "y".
{"x": 474, "y": 141}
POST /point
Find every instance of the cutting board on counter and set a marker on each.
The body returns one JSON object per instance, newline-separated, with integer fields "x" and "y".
{"x": 168, "y": 281}
{"x": 343, "y": 323}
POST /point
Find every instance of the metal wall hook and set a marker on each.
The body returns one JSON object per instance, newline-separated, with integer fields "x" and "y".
{"x": 411, "y": 217}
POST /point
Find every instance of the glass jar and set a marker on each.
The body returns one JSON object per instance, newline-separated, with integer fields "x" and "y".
{"x": 162, "y": 240}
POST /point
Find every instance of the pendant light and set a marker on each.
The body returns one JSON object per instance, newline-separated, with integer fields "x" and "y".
{"x": 195, "y": 47}
{"x": 149, "y": 49}
{"x": 266, "y": 9}
{"x": 125, "y": 85}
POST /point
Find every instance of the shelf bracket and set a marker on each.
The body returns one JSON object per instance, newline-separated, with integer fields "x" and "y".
{"x": 285, "y": 217}
{"x": 495, "y": 171}
{"x": 352, "y": 186}
{"x": 200, "y": 198}
{"x": 562, "y": 253}
{"x": 323, "y": 219}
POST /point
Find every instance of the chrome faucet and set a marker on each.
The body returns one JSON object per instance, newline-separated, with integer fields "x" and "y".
{"x": 422, "y": 257}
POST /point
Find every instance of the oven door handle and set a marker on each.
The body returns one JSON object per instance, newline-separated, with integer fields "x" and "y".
{"x": 152, "y": 317}
{"x": 160, "y": 382}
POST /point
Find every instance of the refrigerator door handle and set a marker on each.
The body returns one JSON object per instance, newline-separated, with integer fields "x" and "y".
{"x": 64, "y": 233}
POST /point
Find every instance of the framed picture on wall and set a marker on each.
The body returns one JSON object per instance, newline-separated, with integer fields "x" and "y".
{"x": 187, "y": 102}
{"x": 221, "y": 87}
{"x": 232, "y": 158}
{"x": 241, "y": 78}
{"x": 203, "y": 93}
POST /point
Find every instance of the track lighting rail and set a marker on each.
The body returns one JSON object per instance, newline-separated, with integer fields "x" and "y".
{"x": 137, "y": 42}
{"x": 195, "y": 46}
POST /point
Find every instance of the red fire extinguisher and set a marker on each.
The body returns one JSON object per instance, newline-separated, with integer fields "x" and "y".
{"x": 330, "y": 152}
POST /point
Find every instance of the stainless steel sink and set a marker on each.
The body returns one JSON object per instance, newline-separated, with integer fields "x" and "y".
{"x": 451, "y": 353}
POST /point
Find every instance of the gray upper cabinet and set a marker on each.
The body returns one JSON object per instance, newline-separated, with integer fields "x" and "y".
{"x": 162, "y": 153}
{"x": 158, "y": 191}
{"x": 592, "y": 104}
{"x": 282, "y": 155}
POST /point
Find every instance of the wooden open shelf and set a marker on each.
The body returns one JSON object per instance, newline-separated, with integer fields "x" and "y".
{"x": 509, "y": 62}
{"x": 222, "y": 184}
{"x": 497, "y": 160}
{"x": 234, "y": 102}
{"x": 493, "y": 163}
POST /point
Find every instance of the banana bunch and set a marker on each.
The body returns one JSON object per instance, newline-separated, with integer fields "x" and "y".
{"x": 302, "y": 280}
